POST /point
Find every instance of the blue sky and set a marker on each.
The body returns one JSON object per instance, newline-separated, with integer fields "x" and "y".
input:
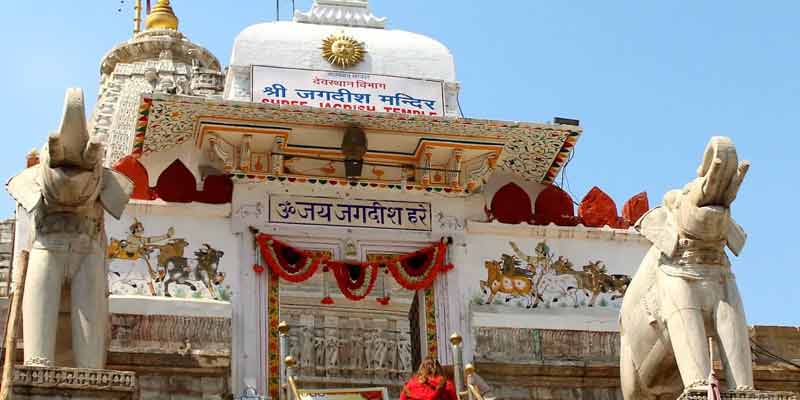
{"x": 650, "y": 82}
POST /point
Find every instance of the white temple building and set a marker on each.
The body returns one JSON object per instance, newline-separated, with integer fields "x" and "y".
{"x": 327, "y": 178}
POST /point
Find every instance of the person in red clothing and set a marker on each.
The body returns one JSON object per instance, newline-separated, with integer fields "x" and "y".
{"x": 428, "y": 384}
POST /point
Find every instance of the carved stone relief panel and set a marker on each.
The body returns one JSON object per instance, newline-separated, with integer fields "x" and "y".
{"x": 342, "y": 347}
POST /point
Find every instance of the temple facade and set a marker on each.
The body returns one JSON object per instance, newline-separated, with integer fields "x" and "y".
{"x": 326, "y": 178}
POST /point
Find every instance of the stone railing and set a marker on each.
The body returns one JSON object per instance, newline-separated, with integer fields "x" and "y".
{"x": 74, "y": 378}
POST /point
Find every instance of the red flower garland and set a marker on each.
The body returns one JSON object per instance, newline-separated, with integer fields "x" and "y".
{"x": 355, "y": 280}
{"x": 291, "y": 264}
{"x": 413, "y": 271}
{"x": 419, "y": 269}
{"x": 257, "y": 268}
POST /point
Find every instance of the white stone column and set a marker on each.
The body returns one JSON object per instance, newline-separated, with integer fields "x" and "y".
{"x": 249, "y": 308}
{"x": 458, "y": 303}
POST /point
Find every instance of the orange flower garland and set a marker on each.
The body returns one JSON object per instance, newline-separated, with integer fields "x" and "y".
{"x": 413, "y": 271}
{"x": 419, "y": 269}
{"x": 289, "y": 263}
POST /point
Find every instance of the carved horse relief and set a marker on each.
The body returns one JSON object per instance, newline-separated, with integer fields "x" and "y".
{"x": 513, "y": 284}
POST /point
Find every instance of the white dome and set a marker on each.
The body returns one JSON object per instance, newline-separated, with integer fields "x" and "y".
{"x": 389, "y": 52}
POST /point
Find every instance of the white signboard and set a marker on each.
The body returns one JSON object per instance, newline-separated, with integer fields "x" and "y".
{"x": 347, "y": 91}
{"x": 379, "y": 214}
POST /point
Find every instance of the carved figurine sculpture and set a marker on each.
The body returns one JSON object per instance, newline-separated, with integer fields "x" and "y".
{"x": 65, "y": 195}
{"x": 684, "y": 291}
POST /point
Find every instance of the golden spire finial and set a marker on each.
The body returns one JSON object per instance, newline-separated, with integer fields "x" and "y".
{"x": 137, "y": 17}
{"x": 162, "y": 17}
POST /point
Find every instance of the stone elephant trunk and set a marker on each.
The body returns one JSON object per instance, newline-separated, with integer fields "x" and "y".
{"x": 684, "y": 290}
{"x": 65, "y": 195}
{"x": 702, "y": 208}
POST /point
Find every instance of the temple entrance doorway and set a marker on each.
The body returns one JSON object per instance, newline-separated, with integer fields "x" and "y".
{"x": 341, "y": 342}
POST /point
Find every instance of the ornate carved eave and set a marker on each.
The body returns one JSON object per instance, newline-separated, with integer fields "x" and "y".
{"x": 534, "y": 152}
{"x": 354, "y": 13}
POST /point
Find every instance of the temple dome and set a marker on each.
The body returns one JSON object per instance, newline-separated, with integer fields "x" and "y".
{"x": 297, "y": 44}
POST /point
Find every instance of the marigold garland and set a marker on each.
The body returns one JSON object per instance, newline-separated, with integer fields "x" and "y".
{"x": 289, "y": 263}
{"x": 419, "y": 269}
{"x": 355, "y": 280}
{"x": 413, "y": 271}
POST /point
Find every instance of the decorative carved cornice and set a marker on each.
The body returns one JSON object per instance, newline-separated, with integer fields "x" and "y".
{"x": 553, "y": 231}
{"x": 341, "y": 12}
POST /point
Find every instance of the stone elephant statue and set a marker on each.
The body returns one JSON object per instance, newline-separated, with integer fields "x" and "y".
{"x": 65, "y": 195}
{"x": 684, "y": 291}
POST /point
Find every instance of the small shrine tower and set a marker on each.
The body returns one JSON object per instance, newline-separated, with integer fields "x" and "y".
{"x": 159, "y": 59}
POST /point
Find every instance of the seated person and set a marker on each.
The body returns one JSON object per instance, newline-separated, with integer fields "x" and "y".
{"x": 428, "y": 384}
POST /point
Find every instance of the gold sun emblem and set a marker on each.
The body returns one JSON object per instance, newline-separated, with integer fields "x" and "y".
{"x": 342, "y": 50}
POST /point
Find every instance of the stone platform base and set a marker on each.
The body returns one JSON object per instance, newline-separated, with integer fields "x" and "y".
{"x": 702, "y": 394}
{"x": 39, "y": 383}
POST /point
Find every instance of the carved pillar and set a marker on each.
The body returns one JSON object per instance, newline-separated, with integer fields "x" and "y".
{"x": 425, "y": 164}
{"x": 277, "y": 155}
{"x": 244, "y": 153}
{"x": 223, "y": 151}
{"x": 455, "y": 166}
